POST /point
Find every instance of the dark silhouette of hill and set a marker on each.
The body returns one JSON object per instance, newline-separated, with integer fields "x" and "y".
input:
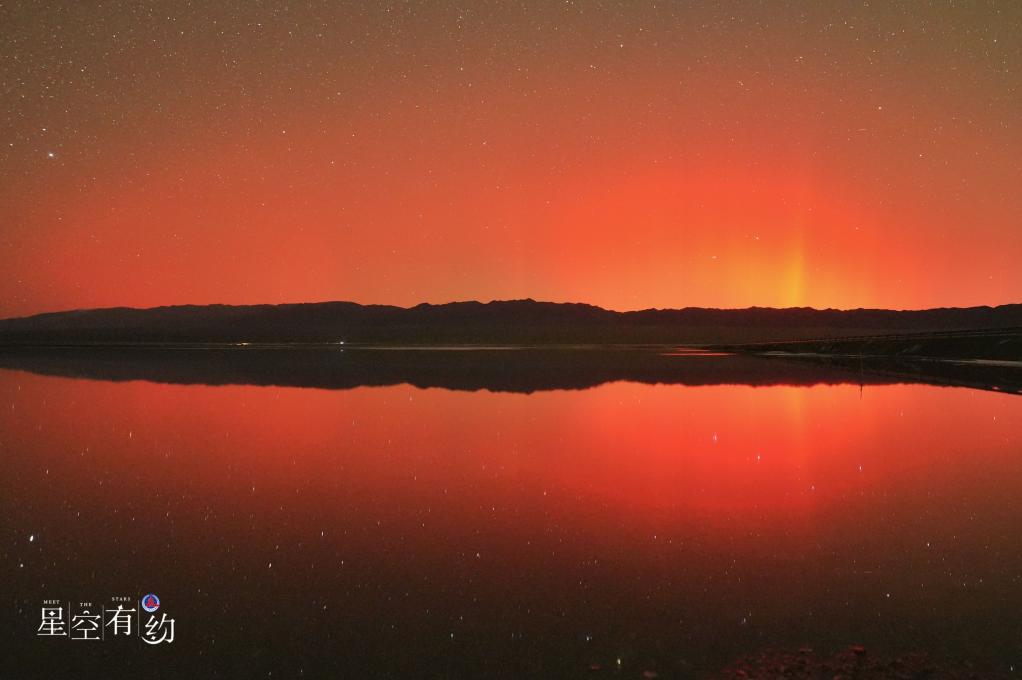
{"x": 501, "y": 322}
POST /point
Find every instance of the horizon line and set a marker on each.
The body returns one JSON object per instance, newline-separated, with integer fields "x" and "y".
{"x": 506, "y": 301}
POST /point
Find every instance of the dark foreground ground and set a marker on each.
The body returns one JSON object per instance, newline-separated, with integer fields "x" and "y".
{"x": 855, "y": 663}
{"x": 985, "y": 359}
{"x": 1003, "y": 344}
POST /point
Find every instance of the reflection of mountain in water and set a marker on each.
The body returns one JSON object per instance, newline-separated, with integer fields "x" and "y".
{"x": 509, "y": 369}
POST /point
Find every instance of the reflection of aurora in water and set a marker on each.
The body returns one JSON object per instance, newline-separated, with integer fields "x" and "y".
{"x": 674, "y": 527}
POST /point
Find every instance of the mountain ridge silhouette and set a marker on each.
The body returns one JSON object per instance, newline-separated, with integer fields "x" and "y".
{"x": 468, "y": 322}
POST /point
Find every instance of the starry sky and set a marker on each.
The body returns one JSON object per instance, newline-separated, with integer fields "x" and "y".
{"x": 627, "y": 154}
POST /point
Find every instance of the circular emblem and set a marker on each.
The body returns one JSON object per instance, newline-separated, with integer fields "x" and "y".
{"x": 150, "y": 603}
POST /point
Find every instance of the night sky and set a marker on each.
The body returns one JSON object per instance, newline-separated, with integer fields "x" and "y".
{"x": 626, "y": 154}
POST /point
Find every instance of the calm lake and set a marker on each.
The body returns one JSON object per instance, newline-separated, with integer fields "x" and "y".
{"x": 347, "y": 523}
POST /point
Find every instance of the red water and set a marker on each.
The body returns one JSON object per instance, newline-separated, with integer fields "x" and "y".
{"x": 400, "y": 531}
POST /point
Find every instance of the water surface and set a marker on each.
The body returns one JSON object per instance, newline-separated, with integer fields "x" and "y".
{"x": 395, "y": 530}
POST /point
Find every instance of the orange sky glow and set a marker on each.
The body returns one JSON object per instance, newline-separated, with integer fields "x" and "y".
{"x": 633, "y": 156}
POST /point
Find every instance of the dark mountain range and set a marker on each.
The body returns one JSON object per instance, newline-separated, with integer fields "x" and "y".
{"x": 510, "y": 322}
